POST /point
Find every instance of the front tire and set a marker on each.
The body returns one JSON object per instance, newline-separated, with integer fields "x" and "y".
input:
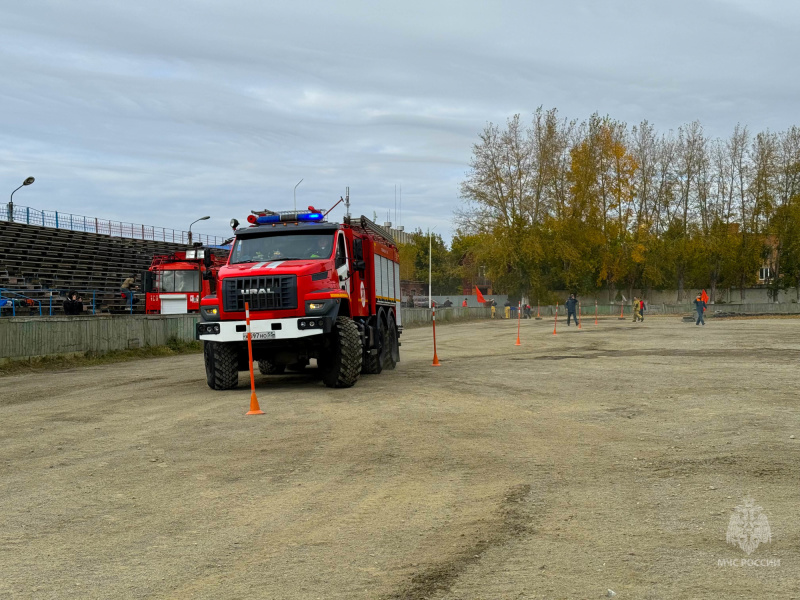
{"x": 341, "y": 365}
{"x": 222, "y": 365}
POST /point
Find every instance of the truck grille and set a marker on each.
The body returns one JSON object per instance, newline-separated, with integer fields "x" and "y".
{"x": 263, "y": 293}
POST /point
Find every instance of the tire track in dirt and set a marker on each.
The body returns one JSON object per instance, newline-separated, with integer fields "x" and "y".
{"x": 512, "y": 520}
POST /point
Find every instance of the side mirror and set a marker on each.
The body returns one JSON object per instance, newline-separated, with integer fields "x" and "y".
{"x": 207, "y": 258}
{"x": 360, "y": 266}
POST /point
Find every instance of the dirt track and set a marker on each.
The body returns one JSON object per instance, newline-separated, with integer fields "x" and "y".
{"x": 611, "y": 457}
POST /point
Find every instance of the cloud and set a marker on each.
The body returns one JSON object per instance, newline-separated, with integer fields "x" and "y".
{"x": 154, "y": 112}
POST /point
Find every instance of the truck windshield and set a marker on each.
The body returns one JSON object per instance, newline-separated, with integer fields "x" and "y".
{"x": 294, "y": 246}
{"x": 177, "y": 281}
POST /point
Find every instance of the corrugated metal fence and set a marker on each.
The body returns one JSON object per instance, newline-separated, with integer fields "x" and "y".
{"x": 419, "y": 316}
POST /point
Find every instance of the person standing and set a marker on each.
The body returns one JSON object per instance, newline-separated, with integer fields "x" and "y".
{"x": 494, "y": 307}
{"x": 464, "y": 303}
{"x": 635, "y": 306}
{"x": 507, "y": 309}
{"x": 572, "y": 306}
{"x": 700, "y": 307}
{"x": 642, "y": 308}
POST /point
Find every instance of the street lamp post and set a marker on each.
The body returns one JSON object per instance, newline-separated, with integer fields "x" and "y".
{"x": 193, "y": 222}
{"x": 430, "y": 270}
{"x": 294, "y": 193}
{"x": 27, "y": 181}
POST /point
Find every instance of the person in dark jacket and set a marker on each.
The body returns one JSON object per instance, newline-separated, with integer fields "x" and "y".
{"x": 447, "y": 303}
{"x": 700, "y": 307}
{"x": 73, "y": 305}
{"x": 572, "y": 308}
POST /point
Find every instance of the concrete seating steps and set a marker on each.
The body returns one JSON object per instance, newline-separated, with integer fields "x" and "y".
{"x": 35, "y": 259}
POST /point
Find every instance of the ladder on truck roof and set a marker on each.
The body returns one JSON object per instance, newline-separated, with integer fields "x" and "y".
{"x": 367, "y": 225}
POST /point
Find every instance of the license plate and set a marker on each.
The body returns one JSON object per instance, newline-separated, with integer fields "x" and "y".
{"x": 262, "y": 335}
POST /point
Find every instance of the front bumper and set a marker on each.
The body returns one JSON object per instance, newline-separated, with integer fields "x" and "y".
{"x": 262, "y": 330}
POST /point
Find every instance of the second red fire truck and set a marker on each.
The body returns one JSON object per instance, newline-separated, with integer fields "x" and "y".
{"x": 176, "y": 282}
{"x": 315, "y": 289}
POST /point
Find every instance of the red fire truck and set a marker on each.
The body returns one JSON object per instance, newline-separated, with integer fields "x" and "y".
{"x": 176, "y": 282}
{"x": 315, "y": 289}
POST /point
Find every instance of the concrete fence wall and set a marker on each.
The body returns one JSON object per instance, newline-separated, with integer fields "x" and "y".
{"x": 760, "y": 295}
{"x": 26, "y": 337}
{"x": 789, "y": 308}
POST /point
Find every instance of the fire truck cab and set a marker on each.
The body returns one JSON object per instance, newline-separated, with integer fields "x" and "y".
{"x": 175, "y": 283}
{"x": 314, "y": 289}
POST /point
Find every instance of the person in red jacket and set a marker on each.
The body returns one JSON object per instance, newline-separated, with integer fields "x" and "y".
{"x": 464, "y": 303}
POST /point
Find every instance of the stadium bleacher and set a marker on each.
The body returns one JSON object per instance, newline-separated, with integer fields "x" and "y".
{"x": 41, "y": 262}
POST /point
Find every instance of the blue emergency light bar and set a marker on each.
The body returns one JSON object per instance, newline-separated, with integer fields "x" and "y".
{"x": 286, "y": 217}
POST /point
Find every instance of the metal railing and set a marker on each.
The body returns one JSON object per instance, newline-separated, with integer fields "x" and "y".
{"x": 14, "y": 298}
{"x": 54, "y": 298}
{"x": 136, "y": 231}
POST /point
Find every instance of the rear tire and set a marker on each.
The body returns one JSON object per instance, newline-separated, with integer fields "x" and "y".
{"x": 390, "y": 351}
{"x": 270, "y": 368}
{"x": 341, "y": 365}
{"x": 372, "y": 363}
{"x": 393, "y": 344}
{"x": 222, "y": 365}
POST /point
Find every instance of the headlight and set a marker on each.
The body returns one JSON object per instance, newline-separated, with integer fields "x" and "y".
{"x": 316, "y": 305}
{"x": 212, "y": 311}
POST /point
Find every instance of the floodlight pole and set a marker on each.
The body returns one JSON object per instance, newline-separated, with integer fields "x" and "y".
{"x": 28, "y": 181}
{"x": 193, "y": 222}
{"x": 294, "y": 193}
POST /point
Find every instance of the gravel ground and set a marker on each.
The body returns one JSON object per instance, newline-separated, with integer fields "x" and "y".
{"x": 610, "y": 457}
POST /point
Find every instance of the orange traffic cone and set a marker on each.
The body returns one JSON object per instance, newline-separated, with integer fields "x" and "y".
{"x": 519, "y": 318}
{"x": 435, "y": 362}
{"x": 255, "y": 409}
{"x": 555, "y": 323}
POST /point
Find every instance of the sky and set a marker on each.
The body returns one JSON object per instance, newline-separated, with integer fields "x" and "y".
{"x": 164, "y": 112}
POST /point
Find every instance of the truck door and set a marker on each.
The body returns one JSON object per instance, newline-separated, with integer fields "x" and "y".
{"x": 342, "y": 263}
